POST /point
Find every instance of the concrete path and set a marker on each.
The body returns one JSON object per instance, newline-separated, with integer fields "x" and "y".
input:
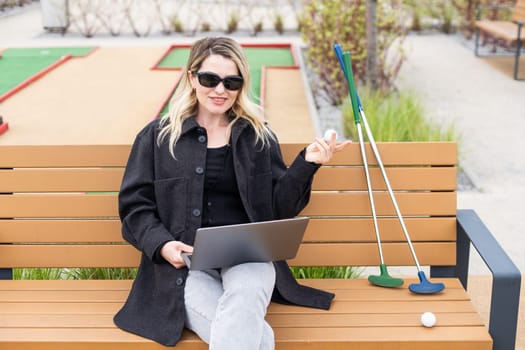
{"x": 487, "y": 108}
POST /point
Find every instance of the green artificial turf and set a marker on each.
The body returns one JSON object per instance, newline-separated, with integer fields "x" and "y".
{"x": 19, "y": 64}
{"x": 257, "y": 58}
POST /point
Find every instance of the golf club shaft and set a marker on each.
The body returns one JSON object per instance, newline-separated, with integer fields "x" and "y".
{"x": 387, "y": 182}
{"x": 346, "y": 64}
{"x": 369, "y": 188}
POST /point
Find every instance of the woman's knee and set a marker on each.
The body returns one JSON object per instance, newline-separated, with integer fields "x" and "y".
{"x": 250, "y": 279}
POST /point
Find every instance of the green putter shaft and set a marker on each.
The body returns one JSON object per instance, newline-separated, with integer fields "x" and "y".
{"x": 347, "y": 61}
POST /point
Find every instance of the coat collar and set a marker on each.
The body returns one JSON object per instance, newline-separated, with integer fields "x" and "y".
{"x": 191, "y": 124}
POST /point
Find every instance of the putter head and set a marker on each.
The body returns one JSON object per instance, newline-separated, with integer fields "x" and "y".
{"x": 425, "y": 286}
{"x": 384, "y": 279}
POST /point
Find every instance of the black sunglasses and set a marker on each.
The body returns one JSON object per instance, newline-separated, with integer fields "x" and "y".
{"x": 211, "y": 80}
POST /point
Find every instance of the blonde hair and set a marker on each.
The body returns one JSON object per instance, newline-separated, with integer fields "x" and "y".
{"x": 183, "y": 104}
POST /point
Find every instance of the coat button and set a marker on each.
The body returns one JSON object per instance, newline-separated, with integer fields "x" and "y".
{"x": 196, "y": 212}
{"x": 199, "y": 170}
{"x": 202, "y": 139}
{"x": 179, "y": 281}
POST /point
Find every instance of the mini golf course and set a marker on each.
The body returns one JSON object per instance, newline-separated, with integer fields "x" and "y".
{"x": 105, "y": 95}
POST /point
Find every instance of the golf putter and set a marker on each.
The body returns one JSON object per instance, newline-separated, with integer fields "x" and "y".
{"x": 425, "y": 286}
{"x": 384, "y": 279}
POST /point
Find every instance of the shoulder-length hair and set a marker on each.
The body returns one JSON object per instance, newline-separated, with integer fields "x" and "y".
{"x": 183, "y": 104}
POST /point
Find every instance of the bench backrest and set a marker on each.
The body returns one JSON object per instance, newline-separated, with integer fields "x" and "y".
{"x": 58, "y": 207}
{"x": 518, "y": 14}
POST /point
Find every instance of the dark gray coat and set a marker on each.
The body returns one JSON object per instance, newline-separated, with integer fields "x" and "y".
{"x": 161, "y": 200}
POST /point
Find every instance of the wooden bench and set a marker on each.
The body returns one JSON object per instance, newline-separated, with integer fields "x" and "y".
{"x": 510, "y": 32}
{"x": 58, "y": 208}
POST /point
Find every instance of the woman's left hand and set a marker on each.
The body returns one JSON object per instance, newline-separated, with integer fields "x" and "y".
{"x": 321, "y": 151}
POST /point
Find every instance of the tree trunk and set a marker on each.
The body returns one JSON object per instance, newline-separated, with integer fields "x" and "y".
{"x": 371, "y": 44}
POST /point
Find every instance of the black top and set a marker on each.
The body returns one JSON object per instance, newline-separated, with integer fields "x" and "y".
{"x": 222, "y": 204}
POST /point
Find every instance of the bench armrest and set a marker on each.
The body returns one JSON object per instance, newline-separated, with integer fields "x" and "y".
{"x": 481, "y": 8}
{"x": 506, "y": 278}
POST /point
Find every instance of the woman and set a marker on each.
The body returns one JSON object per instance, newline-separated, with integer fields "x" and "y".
{"x": 211, "y": 161}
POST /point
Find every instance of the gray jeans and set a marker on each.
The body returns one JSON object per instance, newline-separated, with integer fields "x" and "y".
{"x": 227, "y": 309}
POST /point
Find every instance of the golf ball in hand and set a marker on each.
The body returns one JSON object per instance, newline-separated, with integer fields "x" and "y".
{"x": 428, "y": 319}
{"x": 328, "y": 134}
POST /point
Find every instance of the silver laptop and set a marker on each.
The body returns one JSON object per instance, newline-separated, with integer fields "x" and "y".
{"x": 229, "y": 245}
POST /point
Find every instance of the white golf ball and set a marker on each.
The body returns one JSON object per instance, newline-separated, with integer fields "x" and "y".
{"x": 428, "y": 319}
{"x": 328, "y": 134}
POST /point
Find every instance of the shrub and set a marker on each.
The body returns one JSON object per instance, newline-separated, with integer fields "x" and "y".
{"x": 257, "y": 28}
{"x": 278, "y": 24}
{"x": 326, "y": 272}
{"x": 74, "y": 274}
{"x": 232, "y": 24}
{"x": 325, "y": 22}
{"x": 396, "y": 117}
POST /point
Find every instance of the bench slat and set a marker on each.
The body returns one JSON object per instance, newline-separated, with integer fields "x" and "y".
{"x": 100, "y": 296}
{"x": 410, "y": 204}
{"x": 401, "y": 178}
{"x": 282, "y": 321}
{"x": 327, "y": 178}
{"x": 321, "y": 204}
{"x": 332, "y": 284}
{"x": 47, "y": 230}
{"x": 501, "y": 29}
{"x": 61, "y": 180}
{"x": 392, "y": 153}
{"x": 366, "y": 254}
{"x": 338, "y": 307}
{"x": 361, "y": 229}
{"x": 64, "y": 156}
{"x": 58, "y": 205}
{"x": 401, "y": 338}
{"x": 68, "y": 256}
{"x": 318, "y": 230}
{"x": 311, "y": 254}
{"x": 397, "y": 153}
{"x": 518, "y": 13}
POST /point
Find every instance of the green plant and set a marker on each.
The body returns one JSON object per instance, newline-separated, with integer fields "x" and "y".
{"x": 416, "y": 25}
{"x": 326, "y": 272}
{"x": 40, "y": 274}
{"x": 325, "y": 22}
{"x": 257, "y": 28}
{"x": 233, "y": 23}
{"x": 205, "y": 27}
{"x": 448, "y": 16}
{"x": 176, "y": 24}
{"x": 103, "y": 273}
{"x": 396, "y": 117}
{"x": 74, "y": 273}
{"x": 278, "y": 24}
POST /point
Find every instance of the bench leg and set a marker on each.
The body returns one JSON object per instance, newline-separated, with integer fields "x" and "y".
{"x": 442, "y": 271}
{"x": 476, "y": 43}
{"x": 518, "y": 51}
{"x": 506, "y": 281}
{"x": 6, "y": 274}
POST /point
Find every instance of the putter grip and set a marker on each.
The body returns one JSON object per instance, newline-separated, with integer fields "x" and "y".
{"x": 351, "y": 86}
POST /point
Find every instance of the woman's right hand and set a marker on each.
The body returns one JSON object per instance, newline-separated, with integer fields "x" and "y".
{"x": 172, "y": 250}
